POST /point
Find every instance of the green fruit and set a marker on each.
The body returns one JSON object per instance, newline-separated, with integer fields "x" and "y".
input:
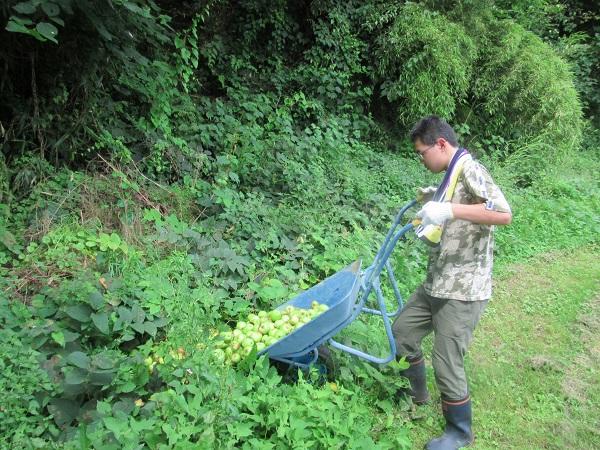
{"x": 265, "y": 327}
{"x": 262, "y": 314}
{"x": 256, "y": 337}
{"x": 247, "y": 343}
{"x": 253, "y": 318}
{"x": 314, "y": 304}
{"x": 323, "y": 308}
{"x": 219, "y": 355}
{"x": 235, "y": 358}
{"x": 275, "y": 315}
{"x": 236, "y": 333}
{"x": 241, "y": 325}
{"x": 294, "y": 320}
{"x": 260, "y": 346}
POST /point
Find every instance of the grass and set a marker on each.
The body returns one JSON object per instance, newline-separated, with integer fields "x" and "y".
{"x": 534, "y": 365}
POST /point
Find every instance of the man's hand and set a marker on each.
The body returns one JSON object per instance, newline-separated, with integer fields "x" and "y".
{"x": 425, "y": 194}
{"x": 435, "y": 213}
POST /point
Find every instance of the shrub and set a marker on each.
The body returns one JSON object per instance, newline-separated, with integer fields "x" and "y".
{"x": 26, "y": 389}
{"x": 423, "y": 69}
{"x": 524, "y": 91}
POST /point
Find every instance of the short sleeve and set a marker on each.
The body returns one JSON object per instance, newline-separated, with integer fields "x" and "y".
{"x": 479, "y": 183}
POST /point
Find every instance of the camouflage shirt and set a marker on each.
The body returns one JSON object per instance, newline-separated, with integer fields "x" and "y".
{"x": 460, "y": 267}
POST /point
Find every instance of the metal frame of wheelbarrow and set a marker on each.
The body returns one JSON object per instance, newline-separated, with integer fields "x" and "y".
{"x": 365, "y": 282}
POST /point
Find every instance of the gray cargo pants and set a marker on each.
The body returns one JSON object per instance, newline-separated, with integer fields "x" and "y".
{"x": 452, "y": 322}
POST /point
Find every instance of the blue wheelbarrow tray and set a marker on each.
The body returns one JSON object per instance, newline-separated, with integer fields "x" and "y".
{"x": 345, "y": 293}
{"x": 339, "y": 293}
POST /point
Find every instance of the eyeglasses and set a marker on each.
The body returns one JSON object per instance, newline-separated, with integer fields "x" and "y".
{"x": 422, "y": 154}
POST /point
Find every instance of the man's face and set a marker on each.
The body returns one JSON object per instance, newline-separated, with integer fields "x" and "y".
{"x": 432, "y": 156}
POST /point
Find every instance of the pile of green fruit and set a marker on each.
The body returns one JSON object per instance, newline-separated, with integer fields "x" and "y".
{"x": 262, "y": 330}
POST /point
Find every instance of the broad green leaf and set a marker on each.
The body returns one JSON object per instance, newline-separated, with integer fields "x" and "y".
{"x": 117, "y": 426}
{"x": 79, "y": 359}
{"x": 70, "y": 336}
{"x": 127, "y": 387}
{"x": 63, "y": 410}
{"x": 96, "y": 300}
{"x": 102, "y": 361}
{"x": 16, "y": 27}
{"x": 139, "y": 327}
{"x": 25, "y": 7}
{"x": 47, "y": 30}
{"x": 6, "y": 237}
{"x": 104, "y": 408}
{"x": 58, "y": 20}
{"x": 101, "y": 377}
{"x": 127, "y": 337}
{"x": 125, "y": 314}
{"x": 101, "y": 321}
{"x": 114, "y": 241}
{"x": 123, "y": 407}
{"x": 59, "y": 338}
{"x": 75, "y": 375}
{"x": 150, "y": 328}
{"x": 143, "y": 425}
{"x": 152, "y": 215}
{"x": 50, "y": 9}
{"x": 240, "y": 429}
{"x": 81, "y": 313}
{"x": 138, "y": 313}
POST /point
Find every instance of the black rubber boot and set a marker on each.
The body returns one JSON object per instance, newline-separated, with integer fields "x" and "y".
{"x": 458, "y": 433}
{"x": 418, "y": 382}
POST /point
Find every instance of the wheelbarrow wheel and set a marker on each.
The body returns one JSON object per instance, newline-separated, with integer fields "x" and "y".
{"x": 327, "y": 359}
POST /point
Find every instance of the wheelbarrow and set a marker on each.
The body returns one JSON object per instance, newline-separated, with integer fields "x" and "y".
{"x": 345, "y": 293}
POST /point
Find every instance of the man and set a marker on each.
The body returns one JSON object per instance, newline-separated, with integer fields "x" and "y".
{"x": 458, "y": 284}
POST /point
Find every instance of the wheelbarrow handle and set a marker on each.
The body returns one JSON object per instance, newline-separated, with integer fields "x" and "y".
{"x": 390, "y": 239}
{"x": 392, "y": 278}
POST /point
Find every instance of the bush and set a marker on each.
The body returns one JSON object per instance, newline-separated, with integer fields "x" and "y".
{"x": 26, "y": 389}
{"x": 525, "y": 92}
{"x": 422, "y": 69}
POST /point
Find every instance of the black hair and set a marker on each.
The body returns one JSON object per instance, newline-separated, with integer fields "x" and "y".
{"x": 431, "y": 128}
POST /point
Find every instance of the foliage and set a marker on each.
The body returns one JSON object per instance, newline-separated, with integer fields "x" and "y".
{"x": 26, "y": 389}
{"x": 222, "y": 409}
{"x": 571, "y": 26}
{"x": 423, "y": 70}
{"x": 210, "y": 159}
{"x": 526, "y": 93}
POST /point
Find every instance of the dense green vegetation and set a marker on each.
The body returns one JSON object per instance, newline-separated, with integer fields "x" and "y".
{"x": 167, "y": 168}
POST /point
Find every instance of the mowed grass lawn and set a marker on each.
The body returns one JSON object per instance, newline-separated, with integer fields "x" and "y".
{"x": 534, "y": 365}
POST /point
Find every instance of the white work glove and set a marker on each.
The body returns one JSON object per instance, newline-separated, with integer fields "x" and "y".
{"x": 435, "y": 213}
{"x": 425, "y": 194}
